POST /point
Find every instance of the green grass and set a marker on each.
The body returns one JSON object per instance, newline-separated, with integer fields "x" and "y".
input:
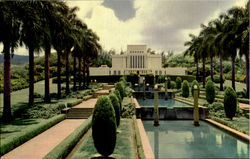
{"x": 238, "y": 85}
{"x": 124, "y": 149}
{"x": 140, "y": 150}
{"x": 64, "y": 148}
{"x": 238, "y": 123}
{"x": 19, "y": 131}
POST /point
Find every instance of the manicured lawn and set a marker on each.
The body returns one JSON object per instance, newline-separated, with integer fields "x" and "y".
{"x": 238, "y": 85}
{"x": 125, "y": 144}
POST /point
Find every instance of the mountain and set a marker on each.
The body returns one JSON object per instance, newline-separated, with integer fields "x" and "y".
{"x": 16, "y": 59}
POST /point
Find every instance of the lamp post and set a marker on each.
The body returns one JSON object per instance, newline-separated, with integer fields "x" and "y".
{"x": 166, "y": 88}
{"x": 144, "y": 93}
{"x": 196, "y": 108}
{"x": 156, "y": 109}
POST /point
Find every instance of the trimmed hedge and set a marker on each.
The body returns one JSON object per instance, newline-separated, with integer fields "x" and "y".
{"x": 178, "y": 82}
{"x": 244, "y": 100}
{"x": 139, "y": 146}
{"x": 117, "y": 93}
{"x": 230, "y": 102}
{"x": 185, "y": 89}
{"x": 9, "y": 144}
{"x": 120, "y": 87}
{"x": 172, "y": 85}
{"x": 65, "y": 147}
{"x": 104, "y": 126}
{"x": 210, "y": 91}
{"x": 116, "y": 105}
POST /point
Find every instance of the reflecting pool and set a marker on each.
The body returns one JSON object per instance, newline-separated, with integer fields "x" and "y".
{"x": 180, "y": 139}
{"x": 162, "y": 103}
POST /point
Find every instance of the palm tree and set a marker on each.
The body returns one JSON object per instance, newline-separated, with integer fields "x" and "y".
{"x": 9, "y": 36}
{"x": 240, "y": 16}
{"x": 30, "y": 35}
{"x": 193, "y": 51}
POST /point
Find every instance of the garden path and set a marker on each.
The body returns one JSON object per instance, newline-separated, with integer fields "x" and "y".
{"x": 39, "y": 146}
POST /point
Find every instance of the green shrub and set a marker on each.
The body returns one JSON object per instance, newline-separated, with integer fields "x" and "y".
{"x": 178, "y": 82}
{"x": 217, "y": 79}
{"x": 120, "y": 87}
{"x": 185, "y": 89}
{"x": 243, "y": 100}
{"x": 172, "y": 85}
{"x": 65, "y": 147}
{"x": 10, "y": 143}
{"x": 161, "y": 79}
{"x": 216, "y": 110}
{"x": 210, "y": 92}
{"x": 208, "y": 78}
{"x": 169, "y": 82}
{"x": 104, "y": 126}
{"x": 192, "y": 87}
{"x": 128, "y": 108}
{"x": 230, "y": 102}
{"x": 116, "y": 105}
{"x": 63, "y": 79}
{"x": 117, "y": 93}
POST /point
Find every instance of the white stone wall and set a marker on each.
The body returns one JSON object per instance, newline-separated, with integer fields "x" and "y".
{"x": 99, "y": 71}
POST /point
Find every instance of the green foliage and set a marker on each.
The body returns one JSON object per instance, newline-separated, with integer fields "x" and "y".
{"x": 128, "y": 108}
{"x": 192, "y": 88}
{"x": 185, "y": 89}
{"x": 121, "y": 88}
{"x": 10, "y": 143}
{"x": 216, "y": 110}
{"x": 116, "y": 105}
{"x": 217, "y": 79}
{"x": 210, "y": 92}
{"x": 104, "y": 126}
{"x": 169, "y": 82}
{"x": 178, "y": 82}
{"x": 65, "y": 147}
{"x": 161, "y": 79}
{"x": 117, "y": 93}
{"x": 244, "y": 100}
{"x": 230, "y": 102}
{"x": 172, "y": 85}
{"x": 63, "y": 79}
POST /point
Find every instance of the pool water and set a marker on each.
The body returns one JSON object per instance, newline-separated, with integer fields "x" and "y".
{"x": 162, "y": 103}
{"x": 180, "y": 139}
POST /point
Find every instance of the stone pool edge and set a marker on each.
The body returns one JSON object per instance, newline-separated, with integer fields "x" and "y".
{"x": 234, "y": 132}
{"x": 148, "y": 152}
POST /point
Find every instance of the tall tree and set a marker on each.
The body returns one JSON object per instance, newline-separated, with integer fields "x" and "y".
{"x": 9, "y": 36}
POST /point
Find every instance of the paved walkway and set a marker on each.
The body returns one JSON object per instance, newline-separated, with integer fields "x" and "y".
{"x": 244, "y": 106}
{"x": 87, "y": 104}
{"x": 39, "y": 146}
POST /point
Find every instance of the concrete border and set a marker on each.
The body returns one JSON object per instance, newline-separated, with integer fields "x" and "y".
{"x": 145, "y": 142}
{"x": 234, "y": 132}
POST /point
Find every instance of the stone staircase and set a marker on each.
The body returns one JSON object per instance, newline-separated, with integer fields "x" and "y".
{"x": 79, "y": 113}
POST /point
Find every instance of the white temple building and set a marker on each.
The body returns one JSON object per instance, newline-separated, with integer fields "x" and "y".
{"x": 137, "y": 60}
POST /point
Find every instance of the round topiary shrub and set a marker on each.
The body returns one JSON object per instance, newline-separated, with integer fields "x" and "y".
{"x": 120, "y": 87}
{"x": 172, "y": 85}
{"x": 104, "y": 126}
{"x": 185, "y": 89}
{"x": 230, "y": 102}
{"x": 178, "y": 82}
{"x": 116, "y": 105}
{"x": 192, "y": 88}
{"x": 217, "y": 79}
{"x": 210, "y": 91}
{"x": 169, "y": 82}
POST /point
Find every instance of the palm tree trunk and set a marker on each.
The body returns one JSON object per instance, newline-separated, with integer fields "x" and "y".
{"x": 88, "y": 78}
{"x": 233, "y": 72}
{"x": 67, "y": 71}
{"x": 59, "y": 95}
{"x": 204, "y": 71}
{"x": 84, "y": 71}
{"x": 197, "y": 69}
{"x": 79, "y": 72}
{"x": 31, "y": 77}
{"x": 74, "y": 74}
{"x": 212, "y": 68}
{"x": 221, "y": 73}
{"x": 7, "y": 97}
{"x": 247, "y": 72}
{"x": 47, "y": 92}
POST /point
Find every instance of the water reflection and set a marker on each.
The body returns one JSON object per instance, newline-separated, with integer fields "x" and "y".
{"x": 180, "y": 139}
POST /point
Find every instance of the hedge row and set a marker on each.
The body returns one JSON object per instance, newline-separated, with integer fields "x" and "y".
{"x": 11, "y": 143}
{"x": 65, "y": 147}
{"x": 140, "y": 150}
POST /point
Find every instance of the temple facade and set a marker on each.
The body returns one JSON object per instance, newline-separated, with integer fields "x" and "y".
{"x": 137, "y": 60}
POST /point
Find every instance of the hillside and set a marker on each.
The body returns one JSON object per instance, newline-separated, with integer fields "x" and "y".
{"x": 16, "y": 59}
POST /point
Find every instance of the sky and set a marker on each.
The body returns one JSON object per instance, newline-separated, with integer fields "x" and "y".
{"x": 162, "y": 25}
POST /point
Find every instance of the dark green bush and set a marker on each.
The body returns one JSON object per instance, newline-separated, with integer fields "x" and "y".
{"x": 230, "y": 102}
{"x": 161, "y": 79}
{"x": 117, "y": 93}
{"x": 120, "y": 87}
{"x": 172, "y": 85}
{"x": 217, "y": 79}
{"x": 192, "y": 87}
{"x": 104, "y": 126}
{"x": 169, "y": 82}
{"x": 178, "y": 82}
{"x": 185, "y": 89}
{"x": 210, "y": 92}
{"x": 116, "y": 105}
